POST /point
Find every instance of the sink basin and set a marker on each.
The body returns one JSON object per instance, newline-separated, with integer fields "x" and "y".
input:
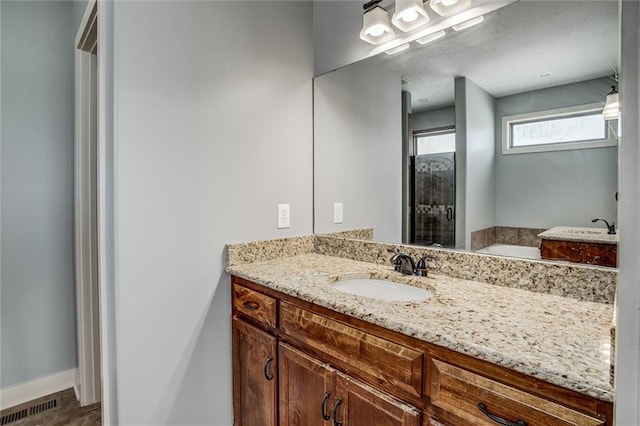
{"x": 383, "y": 290}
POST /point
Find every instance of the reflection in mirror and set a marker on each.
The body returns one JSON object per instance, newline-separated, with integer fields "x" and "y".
{"x": 482, "y": 139}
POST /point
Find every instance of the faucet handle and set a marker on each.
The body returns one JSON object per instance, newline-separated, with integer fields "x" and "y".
{"x": 421, "y": 266}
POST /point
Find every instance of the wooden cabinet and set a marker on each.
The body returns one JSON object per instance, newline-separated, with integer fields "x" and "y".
{"x": 296, "y": 363}
{"x": 389, "y": 365}
{"x": 313, "y": 393}
{"x": 307, "y": 388}
{"x": 255, "y": 389}
{"x": 477, "y": 400}
{"x": 361, "y": 404}
{"x": 580, "y": 252}
{"x": 255, "y": 306}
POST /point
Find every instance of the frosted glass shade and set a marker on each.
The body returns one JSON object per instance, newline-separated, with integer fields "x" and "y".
{"x": 376, "y": 28}
{"x": 449, "y": 7}
{"x": 611, "y": 109}
{"x": 409, "y": 15}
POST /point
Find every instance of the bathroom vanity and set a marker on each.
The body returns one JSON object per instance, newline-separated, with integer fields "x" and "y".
{"x": 593, "y": 246}
{"x": 307, "y": 353}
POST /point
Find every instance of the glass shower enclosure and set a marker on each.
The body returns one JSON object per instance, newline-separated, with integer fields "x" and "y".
{"x": 434, "y": 199}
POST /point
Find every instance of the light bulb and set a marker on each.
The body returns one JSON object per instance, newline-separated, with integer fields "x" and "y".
{"x": 448, "y": 2}
{"x": 409, "y": 16}
{"x": 376, "y": 30}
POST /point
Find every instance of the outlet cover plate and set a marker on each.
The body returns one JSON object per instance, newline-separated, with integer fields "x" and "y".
{"x": 284, "y": 216}
{"x": 338, "y": 211}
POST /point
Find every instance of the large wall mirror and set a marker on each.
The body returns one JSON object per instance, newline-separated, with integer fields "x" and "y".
{"x": 487, "y": 136}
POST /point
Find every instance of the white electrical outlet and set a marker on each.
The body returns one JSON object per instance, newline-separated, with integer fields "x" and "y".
{"x": 337, "y": 212}
{"x": 284, "y": 216}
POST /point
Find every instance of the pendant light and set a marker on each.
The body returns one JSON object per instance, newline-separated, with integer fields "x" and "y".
{"x": 409, "y": 15}
{"x": 611, "y": 109}
{"x": 448, "y": 7}
{"x": 376, "y": 28}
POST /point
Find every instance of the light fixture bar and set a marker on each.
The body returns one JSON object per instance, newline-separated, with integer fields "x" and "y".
{"x": 470, "y": 23}
{"x": 432, "y": 37}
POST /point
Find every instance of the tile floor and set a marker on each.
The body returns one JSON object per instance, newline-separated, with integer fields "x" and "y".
{"x": 68, "y": 412}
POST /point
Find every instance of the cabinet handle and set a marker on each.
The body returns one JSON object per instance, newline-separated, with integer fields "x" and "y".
{"x": 483, "y": 408}
{"x": 449, "y": 214}
{"x": 266, "y": 369}
{"x": 251, "y": 305}
{"x": 323, "y": 407}
{"x": 335, "y": 413}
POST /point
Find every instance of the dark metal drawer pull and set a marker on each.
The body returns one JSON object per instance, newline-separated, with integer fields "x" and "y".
{"x": 251, "y": 305}
{"x": 323, "y": 408}
{"x": 335, "y": 413}
{"x": 266, "y": 369}
{"x": 483, "y": 408}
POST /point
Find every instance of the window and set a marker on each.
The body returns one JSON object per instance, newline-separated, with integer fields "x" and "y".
{"x": 435, "y": 141}
{"x": 554, "y": 130}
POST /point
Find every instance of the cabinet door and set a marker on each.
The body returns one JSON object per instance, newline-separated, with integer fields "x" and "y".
{"x": 361, "y": 405}
{"x": 255, "y": 391}
{"x": 306, "y": 389}
{"x": 479, "y": 401}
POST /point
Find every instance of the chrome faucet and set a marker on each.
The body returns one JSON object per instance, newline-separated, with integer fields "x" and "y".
{"x": 611, "y": 227}
{"x": 404, "y": 264}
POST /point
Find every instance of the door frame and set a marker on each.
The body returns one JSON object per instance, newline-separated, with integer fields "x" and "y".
{"x": 89, "y": 381}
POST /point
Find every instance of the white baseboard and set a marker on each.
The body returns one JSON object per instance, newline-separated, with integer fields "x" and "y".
{"x": 37, "y": 388}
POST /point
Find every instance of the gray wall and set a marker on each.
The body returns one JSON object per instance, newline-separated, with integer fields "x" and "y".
{"x": 193, "y": 173}
{"x": 358, "y": 149}
{"x": 542, "y": 190}
{"x": 38, "y": 304}
{"x": 441, "y": 117}
{"x": 336, "y": 30}
{"x": 475, "y": 153}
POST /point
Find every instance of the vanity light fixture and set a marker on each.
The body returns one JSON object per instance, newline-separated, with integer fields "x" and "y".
{"x": 449, "y": 7}
{"x": 397, "y": 49}
{"x": 376, "y": 28}
{"x": 470, "y": 23}
{"x": 611, "y": 109}
{"x": 431, "y": 37}
{"x": 409, "y": 15}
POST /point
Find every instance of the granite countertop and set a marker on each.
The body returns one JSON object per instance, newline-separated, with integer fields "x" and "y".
{"x": 581, "y": 235}
{"x": 553, "y": 338}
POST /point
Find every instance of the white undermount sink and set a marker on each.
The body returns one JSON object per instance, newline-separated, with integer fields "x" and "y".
{"x": 383, "y": 290}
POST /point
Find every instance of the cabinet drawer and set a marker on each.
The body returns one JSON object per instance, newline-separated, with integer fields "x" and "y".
{"x": 254, "y": 305}
{"x": 387, "y": 364}
{"x": 466, "y": 395}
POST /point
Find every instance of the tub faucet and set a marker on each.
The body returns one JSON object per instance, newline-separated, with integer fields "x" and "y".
{"x": 611, "y": 227}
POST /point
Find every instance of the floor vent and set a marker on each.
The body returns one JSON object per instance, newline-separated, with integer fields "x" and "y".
{"x": 14, "y": 417}
{"x": 23, "y": 413}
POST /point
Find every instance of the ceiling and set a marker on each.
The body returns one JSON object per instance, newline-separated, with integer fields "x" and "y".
{"x": 512, "y": 50}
